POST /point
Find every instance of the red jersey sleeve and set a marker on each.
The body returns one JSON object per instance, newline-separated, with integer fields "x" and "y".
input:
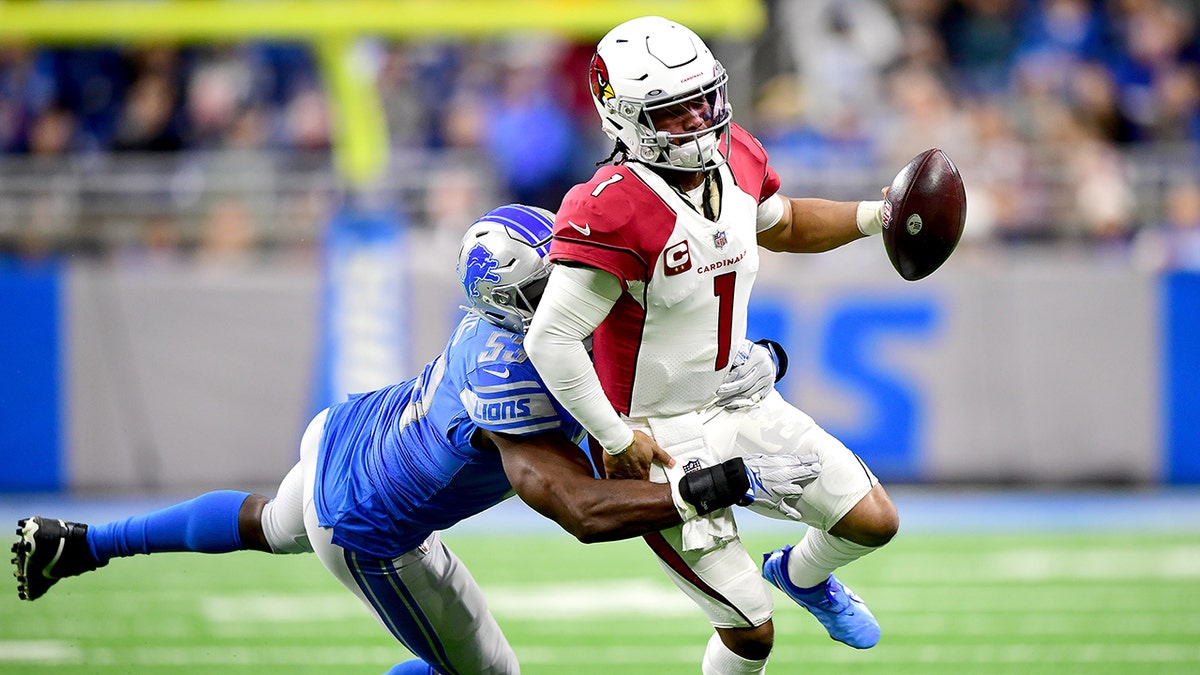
{"x": 748, "y": 162}
{"x": 605, "y": 224}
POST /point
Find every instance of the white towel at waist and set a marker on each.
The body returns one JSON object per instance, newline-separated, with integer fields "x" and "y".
{"x": 682, "y": 436}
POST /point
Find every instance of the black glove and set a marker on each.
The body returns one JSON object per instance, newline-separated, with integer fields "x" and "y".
{"x": 777, "y": 353}
{"x": 715, "y": 487}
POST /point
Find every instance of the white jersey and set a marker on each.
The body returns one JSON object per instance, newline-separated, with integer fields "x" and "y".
{"x": 671, "y": 337}
{"x": 669, "y": 340}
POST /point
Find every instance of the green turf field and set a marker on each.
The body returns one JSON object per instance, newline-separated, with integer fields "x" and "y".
{"x": 1026, "y": 604}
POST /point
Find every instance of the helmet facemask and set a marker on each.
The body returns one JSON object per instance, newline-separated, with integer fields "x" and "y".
{"x": 517, "y": 301}
{"x": 697, "y": 150}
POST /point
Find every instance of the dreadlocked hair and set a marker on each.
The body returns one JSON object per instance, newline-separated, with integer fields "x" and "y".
{"x": 619, "y": 155}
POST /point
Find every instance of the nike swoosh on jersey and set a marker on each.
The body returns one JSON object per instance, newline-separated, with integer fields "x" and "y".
{"x": 503, "y": 372}
{"x": 585, "y": 230}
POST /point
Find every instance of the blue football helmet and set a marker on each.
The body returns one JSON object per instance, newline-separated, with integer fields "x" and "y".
{"x": 502, "y": 264}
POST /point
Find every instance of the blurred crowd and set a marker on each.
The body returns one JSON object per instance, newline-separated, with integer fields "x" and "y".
{"x": 1071, "y": 120}
{"x": 1074, "y": 122}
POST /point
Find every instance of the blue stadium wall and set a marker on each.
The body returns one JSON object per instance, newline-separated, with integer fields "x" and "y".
{"x": 1180, "y": 308}
{"x": 30, "y": 379}
{"x": 1032, "y": 372}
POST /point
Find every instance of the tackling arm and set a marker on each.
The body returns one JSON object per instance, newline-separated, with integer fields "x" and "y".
{"x": 553, "y": 476}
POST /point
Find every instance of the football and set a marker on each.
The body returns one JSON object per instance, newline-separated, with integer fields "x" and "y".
{"x": 924, "y": 214}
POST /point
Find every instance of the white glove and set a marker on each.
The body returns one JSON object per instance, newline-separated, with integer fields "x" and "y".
{"x": 777, "y": 481}
{"x": 751, "y": 378}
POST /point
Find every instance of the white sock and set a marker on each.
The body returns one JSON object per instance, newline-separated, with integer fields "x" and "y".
{"x": 818, "y": 554}
{"x": 719, "y": 660}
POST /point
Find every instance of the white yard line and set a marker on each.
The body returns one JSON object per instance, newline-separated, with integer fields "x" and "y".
{"x": 51, "y": 652}
{"x": 39, "y": 651}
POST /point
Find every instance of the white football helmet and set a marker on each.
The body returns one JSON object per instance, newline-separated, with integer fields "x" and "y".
{"x": 502, "y": 264}
{"x": 649, "y": 65}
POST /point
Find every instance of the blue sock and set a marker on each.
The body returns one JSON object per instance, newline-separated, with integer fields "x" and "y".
{"x": 206, "y": 524}
{"x": 414, "y": 667}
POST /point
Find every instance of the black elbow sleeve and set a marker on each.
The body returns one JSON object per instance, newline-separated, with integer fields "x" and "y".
{"x": 715, "y": 487}
{"x": 777, "y": 353}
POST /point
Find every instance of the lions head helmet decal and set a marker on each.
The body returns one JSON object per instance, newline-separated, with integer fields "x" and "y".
{"x": 502, "y": 264}
{"x": 481, "y": 266}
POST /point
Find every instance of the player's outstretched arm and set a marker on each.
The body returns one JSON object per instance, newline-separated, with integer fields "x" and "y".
{"x": 817, "y": 225}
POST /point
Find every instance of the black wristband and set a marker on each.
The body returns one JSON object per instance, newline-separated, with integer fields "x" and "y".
{"x": 780, "y": 356}
{"x": 715, "y": 487}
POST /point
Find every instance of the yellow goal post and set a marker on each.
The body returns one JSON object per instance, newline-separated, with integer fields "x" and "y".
{"x": 333, "y": 28}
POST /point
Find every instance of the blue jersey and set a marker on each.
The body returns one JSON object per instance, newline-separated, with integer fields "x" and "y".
{"x": 397, "y": 464}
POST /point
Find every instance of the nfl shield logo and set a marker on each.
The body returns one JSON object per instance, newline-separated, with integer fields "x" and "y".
{"x": 719, "y": 239}
{"x": 691, "y": 465}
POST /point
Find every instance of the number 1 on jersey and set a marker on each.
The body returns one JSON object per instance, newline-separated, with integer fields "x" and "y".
{"x": 723, "y": 285}
{"x": 600, "y": 188}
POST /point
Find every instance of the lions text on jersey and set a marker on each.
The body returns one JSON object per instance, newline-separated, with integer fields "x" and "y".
{"x": 403, "y": 454}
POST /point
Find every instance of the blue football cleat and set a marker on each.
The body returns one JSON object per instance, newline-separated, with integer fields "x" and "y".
{"x": 843, "y": 613}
